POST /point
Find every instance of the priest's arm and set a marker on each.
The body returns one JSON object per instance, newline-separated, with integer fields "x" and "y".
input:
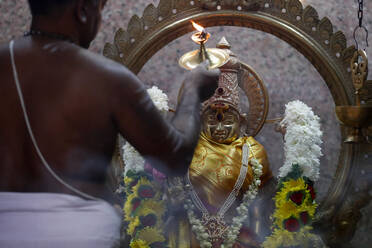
{"x": 168, "y": 145}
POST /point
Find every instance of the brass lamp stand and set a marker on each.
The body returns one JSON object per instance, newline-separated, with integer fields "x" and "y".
{"x": 216, "y": 57}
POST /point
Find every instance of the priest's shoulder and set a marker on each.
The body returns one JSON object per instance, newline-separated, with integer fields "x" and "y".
{"x": 111, "y": 72}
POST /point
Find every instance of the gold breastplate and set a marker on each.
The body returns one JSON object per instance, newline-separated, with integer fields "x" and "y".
{"x": 215, "y": 168}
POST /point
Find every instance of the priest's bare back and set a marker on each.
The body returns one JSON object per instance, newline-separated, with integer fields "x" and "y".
{"x": 77, "y": 103}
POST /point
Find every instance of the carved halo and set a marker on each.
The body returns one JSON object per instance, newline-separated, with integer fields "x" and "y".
{"x": 258, "y": 98}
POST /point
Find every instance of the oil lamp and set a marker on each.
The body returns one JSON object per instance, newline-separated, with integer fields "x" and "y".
{"x": 216, "y": 57}
{"x": 358, "y": 116}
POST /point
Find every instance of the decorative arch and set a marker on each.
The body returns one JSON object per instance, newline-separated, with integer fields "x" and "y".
{"x": 286, "y": 19}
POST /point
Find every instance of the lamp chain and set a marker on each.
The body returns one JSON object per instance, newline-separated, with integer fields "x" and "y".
{"x": 360, "y": 13}
{"x": 360, "y": 26}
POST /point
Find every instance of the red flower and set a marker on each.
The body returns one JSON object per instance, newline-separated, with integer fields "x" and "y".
{"x": 297, "y": 197}
{"x": 292, "y": 224}
{"x": 135, "y": 203}
{"x": 304, "y": 216}
{"x": 312, "y": 191}
{"x": 146, "y": 191}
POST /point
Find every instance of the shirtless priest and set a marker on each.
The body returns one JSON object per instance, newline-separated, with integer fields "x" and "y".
{"x": 61, "y": 109}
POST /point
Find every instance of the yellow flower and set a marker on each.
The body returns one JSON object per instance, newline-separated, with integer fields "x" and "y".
{"x": 150, "y": 235}
{"x": 286, "y": 208}
{"x": 151, "y": 206}
{"x": 300, "y": 182}
{"x": 128, "y": 207}
{"x": 138, "y": 243}
{"x": 128, "y": 180}
{"x": 288, "y": 187}
{"x": 132, "y": 225}
{"x": 284, "y": 238}
{"x": 141, "y": 181}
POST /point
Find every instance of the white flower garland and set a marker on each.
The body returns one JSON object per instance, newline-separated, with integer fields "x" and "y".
{"x": 302, "y": 140}
{"x": 131, "y": 157}
{"x": 159, "y": 98}
{"x": 237, "y": 221}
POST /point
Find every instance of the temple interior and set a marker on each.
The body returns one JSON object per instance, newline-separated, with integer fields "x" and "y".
{"x": 287, "y": 74}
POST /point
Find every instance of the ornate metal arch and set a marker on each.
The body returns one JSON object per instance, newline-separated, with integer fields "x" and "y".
{"x": 286, "y": 19}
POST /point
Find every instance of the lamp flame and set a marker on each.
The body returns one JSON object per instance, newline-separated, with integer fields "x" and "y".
{"x": 201, "y": 36}
{"x": 216, "y": 57}
{"x": 198, "y": 27}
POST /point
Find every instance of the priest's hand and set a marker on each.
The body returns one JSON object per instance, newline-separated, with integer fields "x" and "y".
{"x": 205, "y": 80}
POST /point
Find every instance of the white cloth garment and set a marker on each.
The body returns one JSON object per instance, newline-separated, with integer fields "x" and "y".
{"x": 45, "y": 220}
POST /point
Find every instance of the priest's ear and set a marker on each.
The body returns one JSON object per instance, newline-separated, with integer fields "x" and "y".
{"x": 88, "y": 10}
{"x": 88, "y": 14}
{"x": 82, "y": 11}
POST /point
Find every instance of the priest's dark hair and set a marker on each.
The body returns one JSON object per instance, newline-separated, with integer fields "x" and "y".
{"x": 46, "y": 7}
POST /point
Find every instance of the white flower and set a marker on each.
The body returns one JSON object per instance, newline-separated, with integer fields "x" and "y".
{"x": 251, "y": 196}
{"x": 206, "y": 244}
{"x": 120, "y": 190}
{"x": 132, "y": 159}
{"x": 302, "y": 140}
{"x": 241, "y": 209}
{"x": 259, "y": 166}
{"x": 258, "y": 172}
{"x": 237, "y": 226}
{"x": 204, "y": 235}
{"x": 254, "y": 162}
{"x": 159, "y": 98}
{"x": 235, "y": 219}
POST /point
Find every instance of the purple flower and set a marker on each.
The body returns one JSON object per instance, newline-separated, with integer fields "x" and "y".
{"x": 157, "y": 175}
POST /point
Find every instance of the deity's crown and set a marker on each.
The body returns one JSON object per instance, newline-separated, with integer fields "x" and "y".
{"x": 227, "y": 92}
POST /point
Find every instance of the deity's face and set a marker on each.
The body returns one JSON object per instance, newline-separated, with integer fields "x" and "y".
{"x": 221, "y": 125}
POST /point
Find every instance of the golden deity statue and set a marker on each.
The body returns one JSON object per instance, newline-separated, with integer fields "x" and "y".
{"x": 227, "y": 171}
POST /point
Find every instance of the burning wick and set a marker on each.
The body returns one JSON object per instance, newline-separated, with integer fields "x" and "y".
{"x": 203, "y": 35}
{"x": 201, "y": 38}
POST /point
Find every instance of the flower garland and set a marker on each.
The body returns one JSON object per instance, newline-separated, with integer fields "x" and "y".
{"x": 302, "y": 140}
{"x": 144, "y": 206}
{"x": 144, "y": 211}
{"x": 237, "y": 222}
{"x": 295, "y": 198}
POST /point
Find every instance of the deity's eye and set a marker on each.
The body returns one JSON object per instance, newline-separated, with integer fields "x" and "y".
{"x": 211, "y": 120}
{"x": 219, "y": 117}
